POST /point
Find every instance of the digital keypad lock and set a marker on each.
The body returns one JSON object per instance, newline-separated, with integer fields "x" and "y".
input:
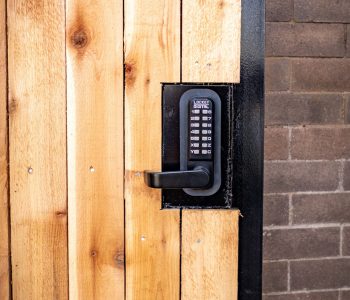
{"x": 199, "y": 146}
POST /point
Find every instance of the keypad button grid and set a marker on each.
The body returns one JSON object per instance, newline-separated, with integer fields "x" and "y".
{"x": 200, "y": 129}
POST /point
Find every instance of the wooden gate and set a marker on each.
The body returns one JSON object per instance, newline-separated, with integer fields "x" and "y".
{"x": 84, "y": 121}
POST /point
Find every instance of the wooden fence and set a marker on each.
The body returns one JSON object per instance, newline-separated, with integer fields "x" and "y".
{"x": 79, "y": 123}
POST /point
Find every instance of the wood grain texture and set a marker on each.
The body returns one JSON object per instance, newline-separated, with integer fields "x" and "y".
{"x": 95, "y": 149}
{"x": 152, "y": 43}
{"x": 4, "y": 205}
{"x": 211, "y": 38}
{"x": 210, "y": 53}
{"x": 209, "y": 254}
{"x": 37, "y": 126}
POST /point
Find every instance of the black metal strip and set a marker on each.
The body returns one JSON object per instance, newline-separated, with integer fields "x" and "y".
{"x": 250, "y": 109}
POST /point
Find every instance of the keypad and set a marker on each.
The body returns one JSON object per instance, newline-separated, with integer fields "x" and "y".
{"x": 200, "y": 129}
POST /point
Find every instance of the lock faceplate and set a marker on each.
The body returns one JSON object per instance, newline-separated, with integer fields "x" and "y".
{"x": 200, "y": 120}
{"x": 178, "y": 101}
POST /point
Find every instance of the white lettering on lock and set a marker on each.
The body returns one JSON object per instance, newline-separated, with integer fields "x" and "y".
{"x": 201, "y": 104}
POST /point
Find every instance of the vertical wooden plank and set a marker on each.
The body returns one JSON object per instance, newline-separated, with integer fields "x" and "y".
{"x": 211, "y": 53}
{"x": 211, "y": 38}
{"x": 4, "y": 207}
{"x": 209, "y": 254}
{"x": 152, "y": 43}
{"x": 37, "y": 126}
{"x": 95, "y": 149}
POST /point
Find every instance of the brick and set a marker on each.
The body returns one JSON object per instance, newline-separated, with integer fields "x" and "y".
{"x": 322, "y": 208}
{"x": 275, "y": 276}
{"x": 294, "y": 109}
{"x": 320, "y": 143}
{"x": 327, "y": 74}
{"x": 304, "y": 296}
{"x": 276, "y": 210}
{"x": 348, "y": 41}
{"x": 294, "y": 176}
{"x": 320, "y": 274}
{"x": 344, "y": 295}
{"x": 301, "y": 243}
{"x": 276, "y": 143}
{"x": 303, "y": 39}
{"x": 346, "y": 176}
{"x": 347, "y": 109}
{"x": 346, "y": 241}
{"x": 277, "y": 74}
{"x": 322, "y": 11}
{"x": 279, "y": 10}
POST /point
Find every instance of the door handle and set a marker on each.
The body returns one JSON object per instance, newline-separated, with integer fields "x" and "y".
{"x": 196, "y": 178}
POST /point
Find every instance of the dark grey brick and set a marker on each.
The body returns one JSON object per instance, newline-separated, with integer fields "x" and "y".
{"x": 348, "y": 41}
{"x": 275, "y": 277}
{"x": 276, "y": 143}
{"x": 285, "y": 108}
{"x": 279, "y": 10}
{"x": 304, "y": 296}
{"x": 328, "y": 74}
{"x": 293, "y": 176}
{"x": 344, "y": 295}
{"x": 320, "y": 274}
{"x": 346, "y": 177}
{"x": 321, "y": 208}
{"x": 304, "y": 39}
{"x": 320, "y": 143}
{"x": 277, "y": 74}
{"x": 276, "y": 210}
{"x": 301, "y": 243}
{"x": 347, "y": 108}
{"x": 346, "y": 240}
{"x": 322, "y": 11}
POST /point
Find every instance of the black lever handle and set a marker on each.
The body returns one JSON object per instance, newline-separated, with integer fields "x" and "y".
{"x": 197, "y": 178}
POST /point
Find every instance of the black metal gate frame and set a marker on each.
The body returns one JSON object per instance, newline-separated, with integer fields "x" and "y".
{"x": 250, "y": 107}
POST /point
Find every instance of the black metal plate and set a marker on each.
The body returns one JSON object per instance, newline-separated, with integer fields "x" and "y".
{"x": 171, "y": 94}
{"x": 249, "y": 108}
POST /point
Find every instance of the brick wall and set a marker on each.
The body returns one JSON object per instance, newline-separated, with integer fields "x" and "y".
{"x": 307, "y": 150}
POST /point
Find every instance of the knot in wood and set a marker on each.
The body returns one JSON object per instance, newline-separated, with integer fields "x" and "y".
{"x": 128, "y": 68}
{"x": 130, "y": 73}
{"x": 79, "y": 39}
{"x": 221, "y": 4}
{"x": 119, "y": 259}
{"x": 61, "y": 213}
{"x": 13, "y": 106}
